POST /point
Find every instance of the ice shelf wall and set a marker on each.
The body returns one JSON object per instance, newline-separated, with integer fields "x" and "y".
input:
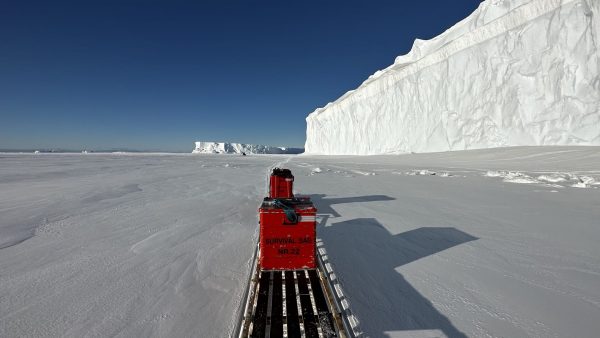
{"x": 518, "y": 72}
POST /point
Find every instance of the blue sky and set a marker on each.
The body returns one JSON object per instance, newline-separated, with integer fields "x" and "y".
{"x": 158, "y": 75}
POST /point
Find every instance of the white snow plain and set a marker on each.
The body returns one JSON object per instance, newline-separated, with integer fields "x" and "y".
{"x": 423, "y": 245}
{"x": 124, "y": 245}
{"x": 515, "y": 72}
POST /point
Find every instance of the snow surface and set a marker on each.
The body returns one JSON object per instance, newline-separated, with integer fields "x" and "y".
{"x": 422, "y": 245}
{"x": 515, "y": 72}
{"x": 125, "y": 245}
{"x": 238, "y": 148}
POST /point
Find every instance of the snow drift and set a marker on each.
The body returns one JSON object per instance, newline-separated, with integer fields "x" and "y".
{"x": 238, "y": 148}
{"x": 515, "y": 72}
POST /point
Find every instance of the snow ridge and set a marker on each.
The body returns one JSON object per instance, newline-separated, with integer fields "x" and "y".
{"x": 515, "y": 72}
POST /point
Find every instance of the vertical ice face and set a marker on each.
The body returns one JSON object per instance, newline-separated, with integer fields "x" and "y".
{"x": 515, "y": 72}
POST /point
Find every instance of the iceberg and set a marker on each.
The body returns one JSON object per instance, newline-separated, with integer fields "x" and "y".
{"x": 513, "y": 73}
{"x": 239, "y": 148}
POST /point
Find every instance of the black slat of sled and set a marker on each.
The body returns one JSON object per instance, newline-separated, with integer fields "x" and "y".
{"x": 277, "y": 307}
{"x": 259, "y": 322}
{"x": 325, "y": 316}
{"x": 293, "y": 323}
{"x": 310, "y": 320}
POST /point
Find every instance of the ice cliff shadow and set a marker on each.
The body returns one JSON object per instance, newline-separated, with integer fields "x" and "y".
{"x": 324, "y": 204}
{"x": 365, "y": 254}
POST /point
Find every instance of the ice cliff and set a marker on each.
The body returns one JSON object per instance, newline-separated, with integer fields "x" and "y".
{"x": 238, "y": 148}
{"x": 514, "y": 72}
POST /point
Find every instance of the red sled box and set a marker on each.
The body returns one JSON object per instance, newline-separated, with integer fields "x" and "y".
{"x": 281, "y": 183}
{"x": 287, "y": 243}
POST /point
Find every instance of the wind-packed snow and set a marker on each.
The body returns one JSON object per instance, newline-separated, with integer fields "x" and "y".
{"x": 423, "y": 245}
{"x": 430, "y": 245}
{"x": 238, "y": 148}
{"x": 515, "y": 72}
{"x": 126, "y": 245}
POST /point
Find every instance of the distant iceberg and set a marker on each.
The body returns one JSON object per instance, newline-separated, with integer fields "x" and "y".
{"x": 239, "y": 148}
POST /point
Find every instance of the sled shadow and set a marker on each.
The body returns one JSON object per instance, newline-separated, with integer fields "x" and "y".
{"x": 381, "y": 298}
{"x": 324, "y": 204}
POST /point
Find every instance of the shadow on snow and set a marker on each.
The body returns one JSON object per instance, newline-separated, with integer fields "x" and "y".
{"x": 324, "y": 204}
{"x": 364, "y": 249}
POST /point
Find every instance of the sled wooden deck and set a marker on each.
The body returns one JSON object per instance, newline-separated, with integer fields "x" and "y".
{"x": 290, "y": 304}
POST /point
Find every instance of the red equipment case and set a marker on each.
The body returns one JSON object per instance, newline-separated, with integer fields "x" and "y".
{"x": 285, "y": 245}
{"x": 281, "y": 184}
